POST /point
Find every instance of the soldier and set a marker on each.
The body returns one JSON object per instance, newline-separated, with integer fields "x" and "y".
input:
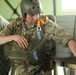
{"x": 4, "y": 65}
{"x": 29, "y": 39}
{"x": 3, "y": 23}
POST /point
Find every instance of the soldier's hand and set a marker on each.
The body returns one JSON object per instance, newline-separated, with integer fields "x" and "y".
{"x": 21, "y": 40}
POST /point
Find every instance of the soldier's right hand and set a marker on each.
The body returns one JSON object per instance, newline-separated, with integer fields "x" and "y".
{"x": 21, "y": 40}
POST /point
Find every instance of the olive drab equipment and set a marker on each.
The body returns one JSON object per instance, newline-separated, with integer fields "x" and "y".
{"x": 30, "y": 7}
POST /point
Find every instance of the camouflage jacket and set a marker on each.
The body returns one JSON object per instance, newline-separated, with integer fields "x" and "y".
{"x": 51, "y": 31}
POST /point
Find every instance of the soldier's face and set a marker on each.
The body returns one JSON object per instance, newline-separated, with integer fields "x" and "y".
{"x": 32, "y": 19}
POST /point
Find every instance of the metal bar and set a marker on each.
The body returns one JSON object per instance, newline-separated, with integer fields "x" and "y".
{"x": 54, "y": 5}
{"x": 74, "y": 34}
{"x": 14, "y": 9}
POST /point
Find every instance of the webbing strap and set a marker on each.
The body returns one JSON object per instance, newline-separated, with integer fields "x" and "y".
{"x": 42, "y": 21}
{"x": 17, "y": 55}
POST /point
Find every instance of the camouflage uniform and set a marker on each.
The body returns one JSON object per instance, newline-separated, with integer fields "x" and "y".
{"x": 23, "y": 59}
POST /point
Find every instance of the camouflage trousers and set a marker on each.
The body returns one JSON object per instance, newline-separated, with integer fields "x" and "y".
{"x": 22, "y": 68}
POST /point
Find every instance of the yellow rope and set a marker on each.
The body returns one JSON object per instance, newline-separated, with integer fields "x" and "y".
{"x": 42, "y": 21}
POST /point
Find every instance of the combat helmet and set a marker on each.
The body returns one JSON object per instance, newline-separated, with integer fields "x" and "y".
{"x": 30, "y": 7}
